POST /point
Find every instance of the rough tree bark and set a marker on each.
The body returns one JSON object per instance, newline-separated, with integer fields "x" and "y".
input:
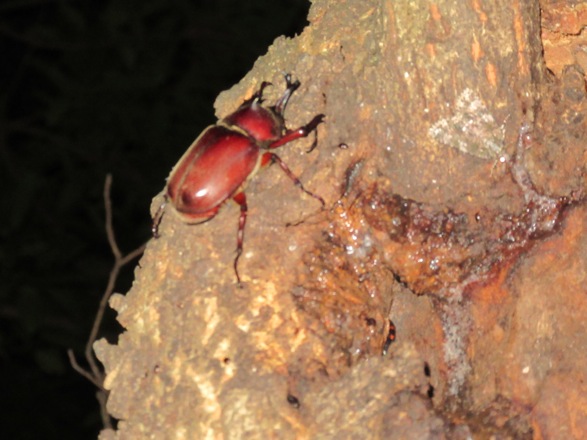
{"x": 453, "y": 164}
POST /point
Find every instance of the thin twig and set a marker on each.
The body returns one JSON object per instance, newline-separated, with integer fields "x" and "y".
{"x": 80, "y": 370}
{"x": 108, "y": 225}
{"x": 96, "y": 375}
{"x": 102, "y": 397}
{"x": 119, "y": 262}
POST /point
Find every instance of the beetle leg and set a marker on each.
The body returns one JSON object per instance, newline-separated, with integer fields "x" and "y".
{"x": 157, "y": 218}
{"x": 241, "y": 199}
{"x": 279, "y": 106}
{"x": 271, "y": 157}
{"x": 303, "y": 131}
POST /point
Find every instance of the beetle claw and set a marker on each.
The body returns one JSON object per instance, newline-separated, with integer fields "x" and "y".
{"x": 289, "y": 84}
{"x": 314, "y": 144}
{"x": 238, "y": 278}
{"x": 311, "y": 126}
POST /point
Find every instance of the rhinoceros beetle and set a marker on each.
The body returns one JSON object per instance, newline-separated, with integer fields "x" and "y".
{"x": 219, "y": 163}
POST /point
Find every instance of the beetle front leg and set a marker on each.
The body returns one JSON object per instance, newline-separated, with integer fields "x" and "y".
{"x": 303, "y": 131}
{"x": 241, "y": 199}
{"x": 290, "y": 88}
{"x": 272, "y": 158}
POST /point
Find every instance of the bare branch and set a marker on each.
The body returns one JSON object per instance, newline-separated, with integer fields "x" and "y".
{"x": 109, "y": 228}
{"x": 96, "y": 375}
{"x": 80, "y": 370}
{"x": 102, "y": 397}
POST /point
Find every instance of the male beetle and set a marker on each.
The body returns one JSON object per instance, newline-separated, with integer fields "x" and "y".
{"x": 219, "y": 163}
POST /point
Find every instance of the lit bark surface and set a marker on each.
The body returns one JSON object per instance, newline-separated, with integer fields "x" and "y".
{"x": 453, "y": 166}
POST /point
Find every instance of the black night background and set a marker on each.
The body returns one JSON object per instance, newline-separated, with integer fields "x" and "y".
{"x": 86, "y": 89}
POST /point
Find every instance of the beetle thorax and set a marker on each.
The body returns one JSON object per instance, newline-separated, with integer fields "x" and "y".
{"x": 260, "y": 123}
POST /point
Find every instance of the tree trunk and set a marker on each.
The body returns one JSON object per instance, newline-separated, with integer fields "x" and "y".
{"x": 453, "y": 166}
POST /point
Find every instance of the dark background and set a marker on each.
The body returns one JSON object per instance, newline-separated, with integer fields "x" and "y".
{"x": 89, "y": 88}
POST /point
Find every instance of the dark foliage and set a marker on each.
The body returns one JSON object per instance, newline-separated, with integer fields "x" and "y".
{"x": 88, "y": 88}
